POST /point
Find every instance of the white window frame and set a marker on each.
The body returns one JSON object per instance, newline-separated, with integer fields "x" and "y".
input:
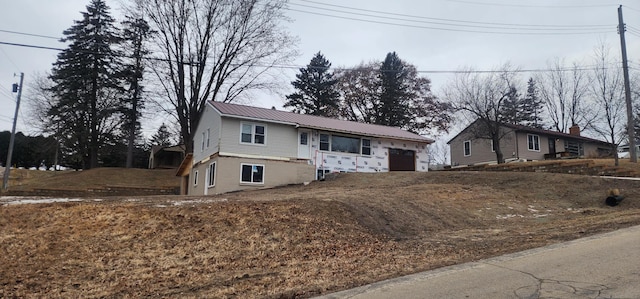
{"x": 212, "y": 174}
{"x": 208, "y": 136}
{"x": 532, "y": 146}
{"x": 202, "y": 144}
{"x": 362, "y": 146}
{"x": 253, "y": 133}
{"x": 493, "y": 149}
{"x": 264, "y": 175}
{"x": 195, "y": 178}
{"x": 464, "y": 148}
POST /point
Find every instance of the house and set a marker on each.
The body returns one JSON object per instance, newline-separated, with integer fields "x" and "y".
{"x": 167, "y": 157}
{"x": 239, "y": 147}
{"x": 524, "y": 143}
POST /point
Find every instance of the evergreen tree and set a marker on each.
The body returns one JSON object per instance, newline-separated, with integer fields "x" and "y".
{"x": 136, "y": 32}
{"x": 86, "y": 84}
{"x": 316, "y": 89}
{"x": 519, "y": 110}
{"x": 394, "y": 102}
{"x": 532, "y": 106}
{"x": 162, "y": 137}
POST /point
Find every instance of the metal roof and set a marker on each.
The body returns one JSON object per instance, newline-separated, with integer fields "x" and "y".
{"x": 315, "y": 122}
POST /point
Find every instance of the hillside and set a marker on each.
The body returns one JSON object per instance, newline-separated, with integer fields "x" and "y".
{"x": 296, "y": 241}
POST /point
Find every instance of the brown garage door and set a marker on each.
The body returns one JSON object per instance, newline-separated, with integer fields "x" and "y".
{"x": 402, "y": 160}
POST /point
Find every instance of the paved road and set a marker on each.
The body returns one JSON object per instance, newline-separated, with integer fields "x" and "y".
{"x": 602, "y": 266}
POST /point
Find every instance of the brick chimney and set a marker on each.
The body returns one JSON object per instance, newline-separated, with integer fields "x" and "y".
{"x": 574, "y": 130}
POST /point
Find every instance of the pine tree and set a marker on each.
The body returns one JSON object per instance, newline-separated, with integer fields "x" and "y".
{"x": 511, "y": 110}
{"x": 86, "y": 84}
{"x": 394, "y": 101}
{"x": 316, "y": 89}
{"x": 162, "y": 137}
{"x": 136, "y": 32}
{"x": 532, "y": 106}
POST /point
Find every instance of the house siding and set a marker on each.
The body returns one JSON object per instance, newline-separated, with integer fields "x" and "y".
{"x": 281, "y": 140}
{"x": 210, "y": 120}
{"x": 480, "y": 149}
{"x": 228, "y": 173}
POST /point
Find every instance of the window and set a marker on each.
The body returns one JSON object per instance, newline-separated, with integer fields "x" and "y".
{"x": 252, "y": 173}
{"x": 211, "y": 179}
{"x": 533, "y": 141}
{"x": 253, "y": 134}
{"x": 366, "y": 147}
{"x": 208, "y": 136}
{"x": 195, "y": 178}
{"x": 493, "y": 145}
{"x": 345, "y": 144}
{"x": 467, "y": 148}
{"x": 324, "y": 142}
{"x": 202, "y": 145}
{"x": 304, "y": 138}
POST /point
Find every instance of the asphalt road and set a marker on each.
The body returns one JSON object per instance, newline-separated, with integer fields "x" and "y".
{"x": 601, "y": 266}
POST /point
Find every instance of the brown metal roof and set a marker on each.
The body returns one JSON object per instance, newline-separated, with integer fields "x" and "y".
{"x": 316, "y": 122}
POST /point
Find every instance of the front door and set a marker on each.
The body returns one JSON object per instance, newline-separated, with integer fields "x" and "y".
{"x": 304, "y": 144}
{"x": 552, "y": 145}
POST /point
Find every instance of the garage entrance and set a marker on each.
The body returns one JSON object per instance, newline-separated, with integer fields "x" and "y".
{"x": 402, "y": 160}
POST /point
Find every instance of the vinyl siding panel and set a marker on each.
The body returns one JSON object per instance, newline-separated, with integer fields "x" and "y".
{"x": 210, "y": 120}
{"x": 480, "y": 149}
{"x": 281, "y": 140}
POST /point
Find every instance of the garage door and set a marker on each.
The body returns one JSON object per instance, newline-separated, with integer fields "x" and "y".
{"x": 402, "y": 160}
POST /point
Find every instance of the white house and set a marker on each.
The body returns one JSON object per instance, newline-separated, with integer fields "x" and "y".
{"x": 239, "y": 147}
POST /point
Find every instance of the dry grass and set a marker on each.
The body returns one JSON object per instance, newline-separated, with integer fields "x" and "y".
{"x": 21, "y": 179}
{"x": 296, "y": 241}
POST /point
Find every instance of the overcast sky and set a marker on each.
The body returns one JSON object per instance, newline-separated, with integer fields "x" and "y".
{"x": 435, "y": 35}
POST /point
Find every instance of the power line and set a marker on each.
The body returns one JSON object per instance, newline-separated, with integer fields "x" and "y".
{"x": 451, "y": 20}
{"x": 283, "y": 66}
{"x": 631, "y": 8}
{"x": 492, "y": 26}
{"x": 9, "y": 58}
{"x": 29, "y": 34}
{"x": 450, "y": 29}
{"x": 529, "y": 6}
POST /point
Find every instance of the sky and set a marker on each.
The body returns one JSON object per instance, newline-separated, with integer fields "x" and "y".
{"x": 437, "y": 36}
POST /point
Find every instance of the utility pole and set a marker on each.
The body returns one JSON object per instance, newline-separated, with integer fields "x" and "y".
{"x": 7, "y": 167}
{"x": 633, "y": 157}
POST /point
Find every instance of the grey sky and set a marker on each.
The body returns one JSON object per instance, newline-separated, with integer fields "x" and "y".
{"x": 331, "y": 27}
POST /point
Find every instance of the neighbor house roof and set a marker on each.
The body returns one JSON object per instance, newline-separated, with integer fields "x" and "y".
{"x": 315, "y": 122}
{"x": 520, "y": 128}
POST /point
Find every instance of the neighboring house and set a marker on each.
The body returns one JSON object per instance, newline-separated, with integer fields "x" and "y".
{"x": 524, "y": 143}
{"x": 166, "y": 156}
{"x": 623, "y": 150}
{"x": 240, "y": 147}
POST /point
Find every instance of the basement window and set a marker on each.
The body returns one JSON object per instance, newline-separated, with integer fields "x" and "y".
{"x": 195, "y": 178}
{"x": 252, "y": 173}
{"x": 211, "y": 175}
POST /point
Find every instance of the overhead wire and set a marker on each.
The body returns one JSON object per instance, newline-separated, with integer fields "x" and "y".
{"x": 29, "y": 34}
{"x": 449, "y": 29}
{"x": 529, "y": 5}
{"x": 448, "y": 23}
{"x": 455, "y": 20}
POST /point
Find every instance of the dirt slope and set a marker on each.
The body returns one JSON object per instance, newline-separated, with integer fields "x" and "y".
{"x": 296, "y": 241}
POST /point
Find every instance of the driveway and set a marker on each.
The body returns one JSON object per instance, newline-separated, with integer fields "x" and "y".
{"x": 601, "y": 266}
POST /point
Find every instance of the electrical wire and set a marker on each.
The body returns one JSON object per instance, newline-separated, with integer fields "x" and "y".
{"x": 452, "y": 20}
{"x": 529, "y": 6}
{"x": 9, "y": 58}
{"x": 450, "y": 29}
{"x": 30, "y": 34}
{"x": 499, "y": 27}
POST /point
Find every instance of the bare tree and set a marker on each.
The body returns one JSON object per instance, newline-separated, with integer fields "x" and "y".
{"x": 482, "y": 97}
{"x": 608, "y": 93}
{"x": 564, "y": 91}
{"x": 359, "y": 91}
{"x": 214, "y": 50}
